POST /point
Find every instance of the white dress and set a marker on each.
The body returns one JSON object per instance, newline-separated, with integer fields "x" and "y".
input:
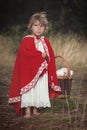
{"x": 39, "y": 95}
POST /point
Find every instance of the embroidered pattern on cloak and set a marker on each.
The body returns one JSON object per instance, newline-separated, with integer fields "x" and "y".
{"x": 24, "y": 78}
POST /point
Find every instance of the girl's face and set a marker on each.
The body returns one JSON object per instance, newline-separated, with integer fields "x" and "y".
{"x": 37, "y": 29}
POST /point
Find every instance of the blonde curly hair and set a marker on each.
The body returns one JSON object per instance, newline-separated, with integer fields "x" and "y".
{"x": 41, "y": 17}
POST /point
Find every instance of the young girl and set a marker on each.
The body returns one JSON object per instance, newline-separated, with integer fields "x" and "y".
{"x": 34, "y": 79}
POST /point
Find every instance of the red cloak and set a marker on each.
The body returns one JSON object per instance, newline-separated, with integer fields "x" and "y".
{"x": 29, "y": 66}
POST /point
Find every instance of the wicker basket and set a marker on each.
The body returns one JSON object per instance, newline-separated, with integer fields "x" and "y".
{"x": 65, "y": 82}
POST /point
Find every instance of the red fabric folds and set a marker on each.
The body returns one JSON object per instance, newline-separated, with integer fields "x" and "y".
{"x": 29, "y": 66}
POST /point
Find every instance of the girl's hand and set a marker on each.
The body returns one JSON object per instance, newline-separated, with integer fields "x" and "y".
{"x": 44, "y": 55}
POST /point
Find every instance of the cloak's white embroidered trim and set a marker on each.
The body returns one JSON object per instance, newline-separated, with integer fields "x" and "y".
{"x": 55, "y": 88}
{"x": 35, "y": 79}
{"x": 31, "y": 84}
{"x": 15, "y": 99}
{"x": 45, "y": 47}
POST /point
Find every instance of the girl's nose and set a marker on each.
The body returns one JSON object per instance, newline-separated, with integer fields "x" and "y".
{"x": 39, "y": 27}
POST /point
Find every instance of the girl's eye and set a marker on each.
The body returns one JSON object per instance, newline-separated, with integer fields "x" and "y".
{"x": 35, "y": 25}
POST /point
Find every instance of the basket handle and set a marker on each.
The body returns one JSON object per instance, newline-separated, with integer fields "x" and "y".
{"x": 66, "y": 63}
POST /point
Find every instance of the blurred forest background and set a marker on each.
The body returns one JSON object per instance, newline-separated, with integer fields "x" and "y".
{"x": 64, "y": 15}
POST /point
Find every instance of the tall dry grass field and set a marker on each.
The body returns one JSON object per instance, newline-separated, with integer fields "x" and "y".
{"x": 6, "y": 51}
{"x": 72, "y": 47}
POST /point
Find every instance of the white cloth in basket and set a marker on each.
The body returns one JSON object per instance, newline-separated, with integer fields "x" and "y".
{"x": 63, "y": 72}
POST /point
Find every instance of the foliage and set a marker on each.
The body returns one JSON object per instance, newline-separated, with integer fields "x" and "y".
{"x": 64, "y": 15}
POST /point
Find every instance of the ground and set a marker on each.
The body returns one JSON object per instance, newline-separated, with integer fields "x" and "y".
{"x": 65, "y": 114}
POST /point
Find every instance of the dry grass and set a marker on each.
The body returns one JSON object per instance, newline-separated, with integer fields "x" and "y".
{"x": 6, "y": 51}
{"x": 72, "y": 47}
